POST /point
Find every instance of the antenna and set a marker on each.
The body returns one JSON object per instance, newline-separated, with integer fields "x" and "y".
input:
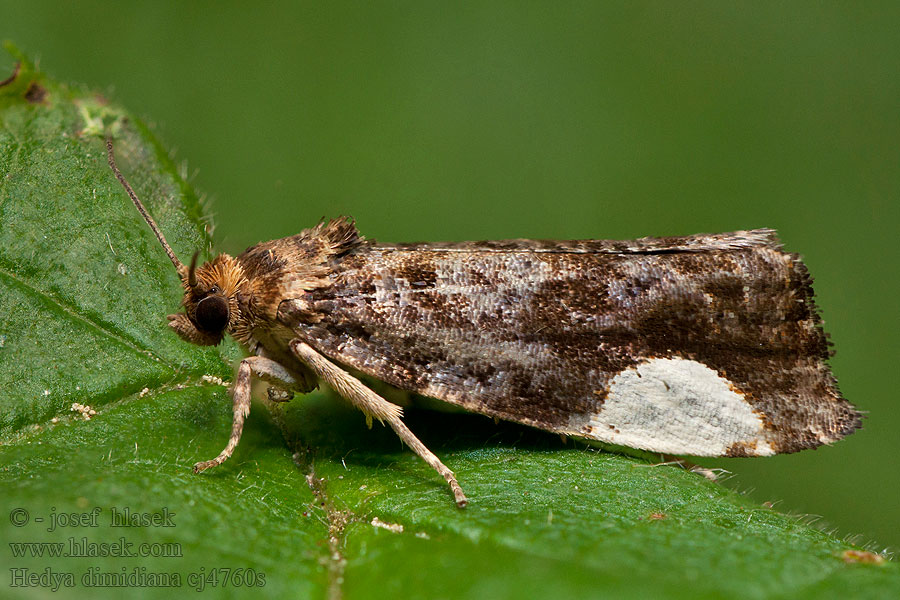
{"x": 182, "y": 272}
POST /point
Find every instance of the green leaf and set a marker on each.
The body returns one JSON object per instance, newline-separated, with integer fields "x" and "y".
{"x": 313, "y": 504}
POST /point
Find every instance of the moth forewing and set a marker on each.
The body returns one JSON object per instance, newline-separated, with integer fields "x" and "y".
{"x": 703, "y": 345}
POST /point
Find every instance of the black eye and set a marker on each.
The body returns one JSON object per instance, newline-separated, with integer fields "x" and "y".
{"x": 212, "y": 314}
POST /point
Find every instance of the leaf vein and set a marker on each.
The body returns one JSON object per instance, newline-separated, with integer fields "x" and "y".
{"x": 71, "y": 313}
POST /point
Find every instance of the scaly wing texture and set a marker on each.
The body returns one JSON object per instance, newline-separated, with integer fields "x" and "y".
{"x": 704, "y": 345}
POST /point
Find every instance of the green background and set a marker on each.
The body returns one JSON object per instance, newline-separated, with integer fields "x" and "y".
{"x": 613, "y": 120}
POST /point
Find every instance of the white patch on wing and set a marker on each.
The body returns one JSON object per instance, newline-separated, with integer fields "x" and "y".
{"x": 677, "y": 406}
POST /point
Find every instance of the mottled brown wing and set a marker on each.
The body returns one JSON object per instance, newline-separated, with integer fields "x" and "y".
{"x": 542, "y": 332}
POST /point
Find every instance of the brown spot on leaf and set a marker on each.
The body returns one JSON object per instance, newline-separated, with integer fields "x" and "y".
{"x": 36, "y": 93}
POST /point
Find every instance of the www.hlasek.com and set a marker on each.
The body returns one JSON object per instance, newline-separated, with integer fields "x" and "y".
{"x": 84, "y": 548}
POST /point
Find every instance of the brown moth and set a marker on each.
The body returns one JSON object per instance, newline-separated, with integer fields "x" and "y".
{"x": 706, "y": 345}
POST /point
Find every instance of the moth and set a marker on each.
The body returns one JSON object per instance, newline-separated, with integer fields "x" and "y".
{"x": 706, "y": 345}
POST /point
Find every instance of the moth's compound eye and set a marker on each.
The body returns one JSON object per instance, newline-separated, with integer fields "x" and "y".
{"x": 212, "y": 314}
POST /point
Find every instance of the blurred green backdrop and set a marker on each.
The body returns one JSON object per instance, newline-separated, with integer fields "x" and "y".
{"x": 547, "y": 120}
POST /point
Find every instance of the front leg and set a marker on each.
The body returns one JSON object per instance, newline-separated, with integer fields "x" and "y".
{"x": 373, "y": 405}
{"x": 254, "y": 365}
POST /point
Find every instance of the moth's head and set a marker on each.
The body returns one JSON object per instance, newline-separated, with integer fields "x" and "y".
{"x": 210, "y": 291}
{"x": 210, "y": 301}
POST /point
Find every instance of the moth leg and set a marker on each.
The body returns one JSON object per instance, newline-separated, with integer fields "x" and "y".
{"x": 706, "y": 472}
{"x": 263, "y": 367}
{"x": 282, "y": 382}
{"x": 374, "y": 405}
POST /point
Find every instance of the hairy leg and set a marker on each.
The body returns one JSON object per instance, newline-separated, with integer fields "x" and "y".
{"x": 373, "y": 405}
{"x": 264, "y": 368}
